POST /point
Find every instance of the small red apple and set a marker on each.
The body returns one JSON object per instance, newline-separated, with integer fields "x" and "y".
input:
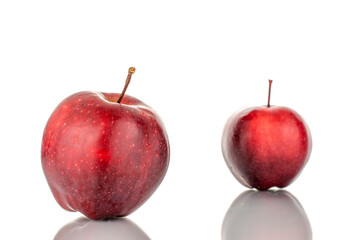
{"x": 266, "y": 146}
{"x": 104, "y": 154}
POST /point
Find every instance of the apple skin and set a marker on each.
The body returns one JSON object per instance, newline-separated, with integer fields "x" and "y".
{"x": 102, "y": 158}
{"x": 266, "y": 147}
{"x": 270, "y": 215}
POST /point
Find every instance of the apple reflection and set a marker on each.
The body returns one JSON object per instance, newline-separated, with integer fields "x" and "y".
{"x": 85, "y": 229}
{"x": 270, "y": 215}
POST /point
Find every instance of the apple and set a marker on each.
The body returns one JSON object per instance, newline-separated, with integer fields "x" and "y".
{"x": 266, "y": 146}
{"x": 271, "y": 215}
{"x": 112, "y": 229}
{"x": 104, "y": 154}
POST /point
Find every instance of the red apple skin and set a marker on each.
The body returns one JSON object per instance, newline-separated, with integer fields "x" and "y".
{"x": 266, "y": 147}
{"x": 102, "y": 158}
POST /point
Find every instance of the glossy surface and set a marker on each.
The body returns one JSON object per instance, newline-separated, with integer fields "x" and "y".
{"x": 113, "y": 229}
{"x": 197, "y": 62}
{"x": 271, "y": 215}
{"x": 102, "y": 158}
{"x": 266, "y": 147}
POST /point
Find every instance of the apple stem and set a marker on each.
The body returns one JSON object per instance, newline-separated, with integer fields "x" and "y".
{"x": 270, "y": 82}
{"x": 130, "y": 73}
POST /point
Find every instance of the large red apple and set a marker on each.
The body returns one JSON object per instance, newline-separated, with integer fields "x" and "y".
{"x": 104, "y": 154}
{"x": 266, "y": 146}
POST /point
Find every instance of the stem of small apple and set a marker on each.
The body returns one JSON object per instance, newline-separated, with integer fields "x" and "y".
{"x": 130, "y": 73}
{"x": 270, "y": 82}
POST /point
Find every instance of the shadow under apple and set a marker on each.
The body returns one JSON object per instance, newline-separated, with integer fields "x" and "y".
{"x": 270, "y": 215}
{"x": 86, "y": 229}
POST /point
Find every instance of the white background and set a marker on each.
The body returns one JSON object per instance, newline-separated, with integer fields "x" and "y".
{"x": 197, "y": 62}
